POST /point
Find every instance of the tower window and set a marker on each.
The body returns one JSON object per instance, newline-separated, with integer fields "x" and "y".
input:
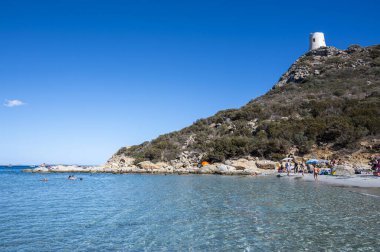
{"x": 313, "y": 39}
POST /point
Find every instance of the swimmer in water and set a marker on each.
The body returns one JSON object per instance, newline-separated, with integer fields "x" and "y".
{"x": 71, "y": 177}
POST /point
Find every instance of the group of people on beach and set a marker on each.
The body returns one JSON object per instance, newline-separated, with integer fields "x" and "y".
{"x": 298, "y": 167}
{"x": 302, "y": 167}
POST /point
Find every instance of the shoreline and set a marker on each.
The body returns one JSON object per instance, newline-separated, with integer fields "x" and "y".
{"x": 128, "y": 170}
{"x": 354, "y": 181}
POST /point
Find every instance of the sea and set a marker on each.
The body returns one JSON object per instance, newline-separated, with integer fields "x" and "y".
{"x": 129, "y": 212}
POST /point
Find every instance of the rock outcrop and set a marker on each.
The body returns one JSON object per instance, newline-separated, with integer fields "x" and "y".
{"x": 309, "y": 64}
{"x": 69, "y": 168}
{"x": 120, "y": 161}
{"x": 242, "y": 166}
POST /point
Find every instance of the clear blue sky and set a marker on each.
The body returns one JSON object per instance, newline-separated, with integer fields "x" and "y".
{"x": 93, "y": 76}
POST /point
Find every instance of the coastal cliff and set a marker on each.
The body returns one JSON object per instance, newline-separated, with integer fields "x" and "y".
{"x": 326, "y": 105}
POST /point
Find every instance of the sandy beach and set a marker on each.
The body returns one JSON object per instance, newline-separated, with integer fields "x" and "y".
{"x": 366, "y": 181}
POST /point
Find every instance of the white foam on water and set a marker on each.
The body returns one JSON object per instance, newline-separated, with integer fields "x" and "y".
{"x": 371, "y": 195}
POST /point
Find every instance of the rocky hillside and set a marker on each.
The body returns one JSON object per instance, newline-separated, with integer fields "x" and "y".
{"x": 326, "y": 105}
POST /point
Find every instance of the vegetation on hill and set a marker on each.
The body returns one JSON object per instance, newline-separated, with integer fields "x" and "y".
{"x": 327, "y": 98}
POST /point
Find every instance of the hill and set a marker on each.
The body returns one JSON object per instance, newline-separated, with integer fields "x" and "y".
{"x": 326, "y": 105}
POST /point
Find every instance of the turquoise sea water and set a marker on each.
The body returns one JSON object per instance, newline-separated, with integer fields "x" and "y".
{"x": 106, "y": 212}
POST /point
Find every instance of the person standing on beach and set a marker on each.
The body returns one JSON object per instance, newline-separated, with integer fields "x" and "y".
{"x": 374, "y": 164}
{"x": 316, "y": 172}
{"x": 281, "y": 169}
{"x": 295, "y": 167}
{"x": 302, "y": 168}
{"x": 287, "y": 166}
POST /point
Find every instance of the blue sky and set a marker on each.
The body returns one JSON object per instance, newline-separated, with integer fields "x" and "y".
{"x": 93, "y": 76}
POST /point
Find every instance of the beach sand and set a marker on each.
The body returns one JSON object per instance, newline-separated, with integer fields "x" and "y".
{"x": 364, "y": 184}
{"x": 351, "y": 181}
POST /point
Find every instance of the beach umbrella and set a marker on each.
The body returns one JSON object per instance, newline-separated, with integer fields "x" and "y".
{"x": 312, "y": 161}
{"x": 324, "y": 161}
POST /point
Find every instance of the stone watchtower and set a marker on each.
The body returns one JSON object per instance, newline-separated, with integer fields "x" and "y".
{"x": 316, "y": 40}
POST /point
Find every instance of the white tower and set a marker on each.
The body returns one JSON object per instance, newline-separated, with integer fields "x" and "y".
{"x": 316, "y": 40}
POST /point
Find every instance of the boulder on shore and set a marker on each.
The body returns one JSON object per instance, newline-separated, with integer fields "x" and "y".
{"x": 41, "y": 170}
{"x": 222, "y": 168}
{"x": 147, "y": 165}
{"x": 242, "y": 164}
{"x": 267, "y": 164}
{"x": 343, "y": 170}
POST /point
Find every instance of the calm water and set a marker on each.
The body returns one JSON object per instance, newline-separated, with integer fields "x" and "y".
{"x": 182, "y": 213}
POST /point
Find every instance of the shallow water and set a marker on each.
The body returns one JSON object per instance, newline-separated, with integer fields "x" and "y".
{"x": 182, "y": 213}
